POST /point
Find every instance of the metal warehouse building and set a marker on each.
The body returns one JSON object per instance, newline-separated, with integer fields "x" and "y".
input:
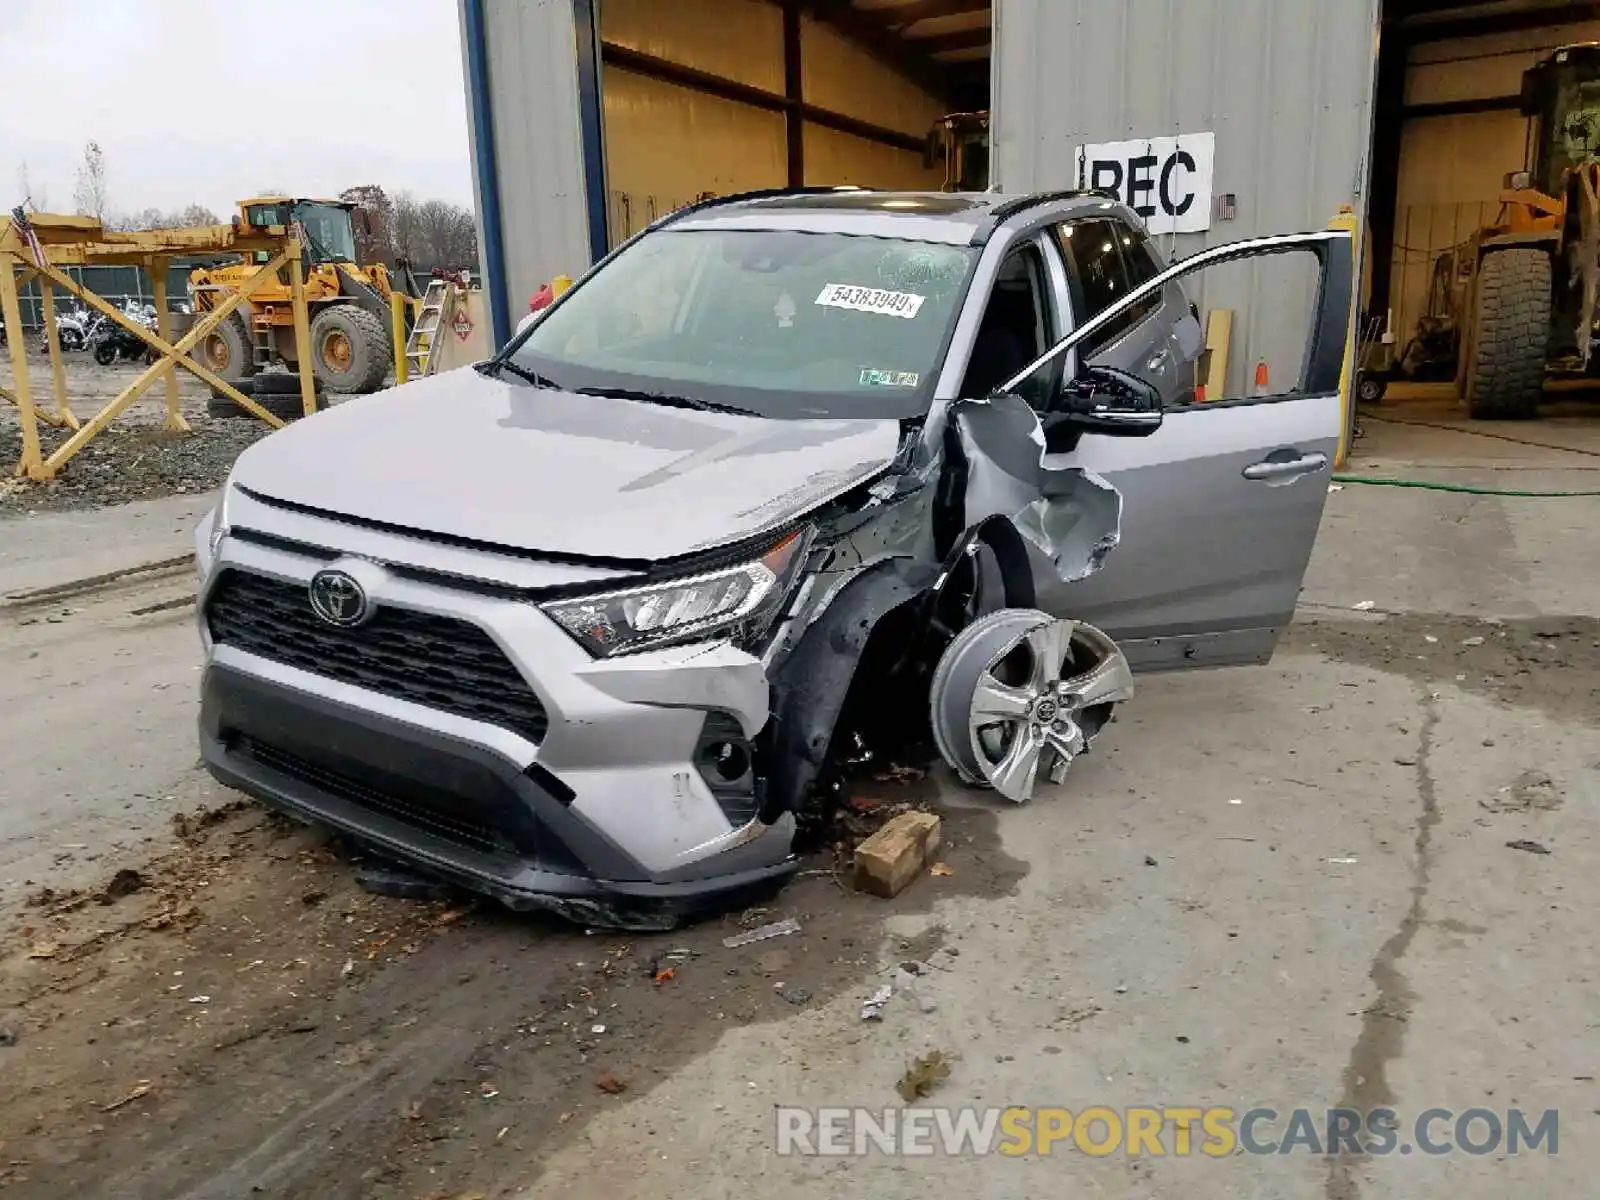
{"x": 592, "y": 117}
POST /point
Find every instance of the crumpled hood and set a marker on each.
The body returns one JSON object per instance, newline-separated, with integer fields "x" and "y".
{"x": 538, "y": 469}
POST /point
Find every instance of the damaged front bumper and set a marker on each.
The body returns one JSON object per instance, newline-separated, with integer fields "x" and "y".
{"x": 463, "y": 732}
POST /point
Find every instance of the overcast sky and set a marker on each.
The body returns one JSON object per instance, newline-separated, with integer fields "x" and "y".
{"x": 208, "y": 101}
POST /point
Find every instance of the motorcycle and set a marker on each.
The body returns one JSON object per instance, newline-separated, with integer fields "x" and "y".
{"x": 112, "y": 342}
{"x": 72, "y": 331}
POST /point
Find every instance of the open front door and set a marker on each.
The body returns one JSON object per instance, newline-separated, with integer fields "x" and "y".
{"x": 1220, "y": 506}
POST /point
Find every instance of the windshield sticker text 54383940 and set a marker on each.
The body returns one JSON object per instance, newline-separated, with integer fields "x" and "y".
{"x": 870, "y": 300}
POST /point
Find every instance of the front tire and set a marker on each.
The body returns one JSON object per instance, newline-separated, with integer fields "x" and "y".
{"x": 1511, "y": 334}
{"x": 105, "y": 353}
{"x": 350, "y": 350}
{"x": 226, "y": 352}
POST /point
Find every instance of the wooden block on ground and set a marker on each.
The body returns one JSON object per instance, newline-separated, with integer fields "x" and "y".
{"x": 894, "y": 856}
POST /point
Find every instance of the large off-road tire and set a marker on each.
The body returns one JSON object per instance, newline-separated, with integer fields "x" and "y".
{"x": 1510, "y": 335}
{"x": 350, "y": 350}
{"x": 226, "y": 352}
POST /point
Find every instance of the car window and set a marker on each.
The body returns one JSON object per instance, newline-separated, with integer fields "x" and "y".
{"x": 784, "y": 323}
{"x": 1016, "y": 329}
{"x": 1105, "y": 260}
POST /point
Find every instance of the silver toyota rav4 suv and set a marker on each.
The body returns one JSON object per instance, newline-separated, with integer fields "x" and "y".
{"x": 596, "y": 625}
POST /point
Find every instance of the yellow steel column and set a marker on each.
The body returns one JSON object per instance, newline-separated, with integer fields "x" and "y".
{"x": 302, "y": 328}
{"x": 12, "y": 312}
{"x": 52, "y": 337}
{"x": 397, "y": 335}
{"x": 158, "y": 291}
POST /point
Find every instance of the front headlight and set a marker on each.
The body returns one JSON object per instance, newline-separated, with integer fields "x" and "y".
{"x": 740, "y": 600}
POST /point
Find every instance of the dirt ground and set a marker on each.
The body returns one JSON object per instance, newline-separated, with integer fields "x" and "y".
{"x": 136, "y": 457}
{"x": 1363, "y": 874}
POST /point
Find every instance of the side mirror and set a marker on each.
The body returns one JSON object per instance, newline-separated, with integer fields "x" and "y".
{"x": 1107, "y": 401}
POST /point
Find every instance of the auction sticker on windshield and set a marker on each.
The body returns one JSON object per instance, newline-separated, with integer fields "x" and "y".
{"x": 870, "y": 300}
{"x": 872, "y": 377}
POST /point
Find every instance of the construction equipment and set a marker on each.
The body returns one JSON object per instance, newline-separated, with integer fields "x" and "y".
{"x": 1530, "y": 282}
{"x": 961, "y": 142}
{"x": 351, "y": 347}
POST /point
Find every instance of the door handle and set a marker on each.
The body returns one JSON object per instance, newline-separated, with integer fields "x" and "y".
{"x": 1285, "y": 468}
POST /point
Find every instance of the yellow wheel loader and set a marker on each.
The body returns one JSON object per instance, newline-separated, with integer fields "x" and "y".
{"x": 1532, "y": 279}
{"x": 347, "y": 302}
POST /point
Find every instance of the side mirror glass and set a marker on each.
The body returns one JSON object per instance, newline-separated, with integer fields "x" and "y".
{"x": 1108, "y": 401}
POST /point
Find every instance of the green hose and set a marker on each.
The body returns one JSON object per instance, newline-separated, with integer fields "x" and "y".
{"x": 1468, "y": 489}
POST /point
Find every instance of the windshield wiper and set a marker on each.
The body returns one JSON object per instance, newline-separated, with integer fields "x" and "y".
{"x": 498, "y": 364}
{"x": 665, "y": 398}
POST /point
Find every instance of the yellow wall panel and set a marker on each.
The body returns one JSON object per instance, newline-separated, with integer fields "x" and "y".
{"x": 839, "y": 75}
{"x": 740, "y": 40}
{"x": 836, "y": 158}
{"x": 666, "y": 144}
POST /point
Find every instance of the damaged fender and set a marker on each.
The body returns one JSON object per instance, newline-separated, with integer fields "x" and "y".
{"x": 1069, "y": 518}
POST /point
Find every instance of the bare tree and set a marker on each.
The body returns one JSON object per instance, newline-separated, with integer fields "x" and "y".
{"x": 34, "y": 199}
{"x": 157, "y": 218}
{"x": 89, "y": 196}
{"x": 197, "y": 214}
{"x": 449, "y": 232}
{"x": 408, "y": 240}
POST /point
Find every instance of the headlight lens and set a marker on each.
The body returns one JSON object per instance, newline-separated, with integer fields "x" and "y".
{"x": 742, "y": 598}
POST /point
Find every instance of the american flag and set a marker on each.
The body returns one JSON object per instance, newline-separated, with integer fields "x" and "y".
{"x": 25, "y": 228}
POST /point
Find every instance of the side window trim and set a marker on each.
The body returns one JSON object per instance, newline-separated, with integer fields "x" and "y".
{"x": 1325, "y": 352}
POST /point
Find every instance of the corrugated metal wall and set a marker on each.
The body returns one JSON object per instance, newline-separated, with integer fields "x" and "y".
{"x": 1286, "y": 85}
{"x": 534, "y": 90}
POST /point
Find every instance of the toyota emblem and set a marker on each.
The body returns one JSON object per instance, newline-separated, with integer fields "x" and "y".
{"x": 338, "y": 599}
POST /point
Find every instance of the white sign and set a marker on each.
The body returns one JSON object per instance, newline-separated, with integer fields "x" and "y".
{"x": 1166, "y": 180}
{"x": 870, "y": 300}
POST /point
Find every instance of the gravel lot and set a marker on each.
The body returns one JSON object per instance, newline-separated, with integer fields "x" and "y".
{"x": 134, "y": 459}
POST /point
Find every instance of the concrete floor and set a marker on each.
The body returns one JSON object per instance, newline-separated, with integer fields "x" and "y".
{"x": 1333, "y": 916}
{"x": 1288, "y": 886}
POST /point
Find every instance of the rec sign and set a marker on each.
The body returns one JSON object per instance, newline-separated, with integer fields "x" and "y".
{"x": 1166, "y": 180}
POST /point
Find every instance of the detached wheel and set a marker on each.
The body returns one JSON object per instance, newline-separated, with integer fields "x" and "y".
{"x": 350, "y": 350}
{"x": 1019, "y": 694}
{"x": 1511, "y": 334}
{"x": 226, "y": 353}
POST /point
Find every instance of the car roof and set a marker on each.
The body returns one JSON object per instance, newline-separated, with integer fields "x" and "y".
{"x": 952, "y": 218}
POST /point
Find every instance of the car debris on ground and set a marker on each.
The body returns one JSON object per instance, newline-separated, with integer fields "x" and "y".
{"x": 762, "y": 933}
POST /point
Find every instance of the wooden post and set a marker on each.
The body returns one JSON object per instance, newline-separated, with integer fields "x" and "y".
{"x": 12, "y": 312}
{"x": 52, "y": 337}
{"x": 158, "y": 291}
{"x": 302, "y": 329}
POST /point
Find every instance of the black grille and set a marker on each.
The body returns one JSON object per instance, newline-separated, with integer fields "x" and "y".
{"x": 440, "y": 662}
{"x": 434, "y": 814}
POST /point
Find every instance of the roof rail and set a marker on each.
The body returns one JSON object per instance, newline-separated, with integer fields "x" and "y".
{"x": 757, "y": 194}
{"x": 1016, "y": 204}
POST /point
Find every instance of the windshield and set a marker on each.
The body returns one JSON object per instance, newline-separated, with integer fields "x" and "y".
{"x": 328, "y": 229}
{"x": 783, "y": 324}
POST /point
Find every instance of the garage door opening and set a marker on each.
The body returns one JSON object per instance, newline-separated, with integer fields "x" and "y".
{"x": 1483, "y": 254}
{"x": 704, "y": 98}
